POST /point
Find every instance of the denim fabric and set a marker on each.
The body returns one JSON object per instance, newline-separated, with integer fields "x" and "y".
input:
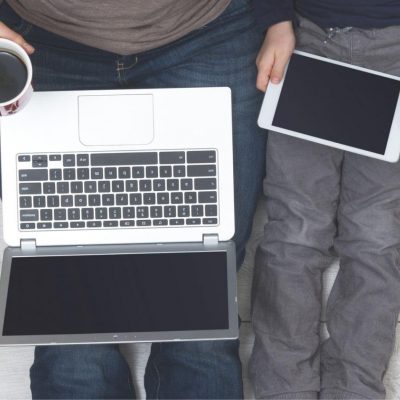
{"x": 220, "y": 54}
{"x": 323, "y": 201}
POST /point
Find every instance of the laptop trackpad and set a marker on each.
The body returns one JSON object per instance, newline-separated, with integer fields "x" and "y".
{"x": 116, "y": 119}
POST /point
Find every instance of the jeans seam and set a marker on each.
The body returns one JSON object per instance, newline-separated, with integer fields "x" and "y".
{"x": 159, "y": 380}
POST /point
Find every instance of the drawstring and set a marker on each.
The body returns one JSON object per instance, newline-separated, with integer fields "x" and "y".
{"x": 331, "y": 32}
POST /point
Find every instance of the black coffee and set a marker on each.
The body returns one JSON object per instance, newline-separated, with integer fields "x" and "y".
{"x": 13, "y": 76}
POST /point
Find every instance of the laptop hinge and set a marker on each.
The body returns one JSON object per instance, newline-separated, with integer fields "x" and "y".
{"x": 210, "y": 240}
{"x": 28, "y": 244}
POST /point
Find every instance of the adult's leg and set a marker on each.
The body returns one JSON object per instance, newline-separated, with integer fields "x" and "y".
{"x": 220, "y": 54}
{"x": 302, "y": 189}
{"x": 91, "y": 371}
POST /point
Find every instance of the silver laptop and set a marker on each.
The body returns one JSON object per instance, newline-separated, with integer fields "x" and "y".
{"x": 118, "y": 212}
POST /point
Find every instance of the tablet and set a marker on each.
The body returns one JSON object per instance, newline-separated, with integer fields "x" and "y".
{"x": 336, "y": 104}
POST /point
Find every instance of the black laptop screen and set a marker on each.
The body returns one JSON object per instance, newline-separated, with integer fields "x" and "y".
{"x": 117, "y": 293}
{"x": 336, "y": 103}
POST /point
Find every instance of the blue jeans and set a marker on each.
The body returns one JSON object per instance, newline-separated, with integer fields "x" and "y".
{"x": 221, "y": 53}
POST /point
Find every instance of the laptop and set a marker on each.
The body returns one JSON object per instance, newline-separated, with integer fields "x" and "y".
{"x": 118, "y": 212}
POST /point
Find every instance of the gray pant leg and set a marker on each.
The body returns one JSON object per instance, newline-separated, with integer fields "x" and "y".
{"x": 302, "y": 189}
{"x": 365, "y": 301}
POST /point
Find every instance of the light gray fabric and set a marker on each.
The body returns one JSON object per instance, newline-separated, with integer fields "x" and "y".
{"x": 120, "y": 26}
{"x": 321, "y": 199}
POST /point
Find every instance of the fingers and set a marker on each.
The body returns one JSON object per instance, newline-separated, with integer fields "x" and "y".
{"x": 264, "y": 65}
{"x": 278, "y": 68}
{"x": 7, "y": 33}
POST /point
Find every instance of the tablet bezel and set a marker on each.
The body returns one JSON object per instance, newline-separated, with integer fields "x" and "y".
{"x": 270, "y": 104}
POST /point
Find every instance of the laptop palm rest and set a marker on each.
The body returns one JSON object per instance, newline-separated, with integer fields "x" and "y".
{"x": 116, "y": 120}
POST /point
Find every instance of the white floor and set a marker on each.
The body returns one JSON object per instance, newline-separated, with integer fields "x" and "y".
{"x": 15, "y": 362}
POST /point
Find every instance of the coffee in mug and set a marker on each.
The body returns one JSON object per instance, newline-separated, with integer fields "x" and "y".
{"x": 15, "y": 77}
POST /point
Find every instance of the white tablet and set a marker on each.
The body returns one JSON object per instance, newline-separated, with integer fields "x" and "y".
{"x": 336, "y": 104}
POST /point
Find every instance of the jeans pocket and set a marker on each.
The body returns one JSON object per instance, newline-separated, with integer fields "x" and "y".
{"x": 13, "y": 21}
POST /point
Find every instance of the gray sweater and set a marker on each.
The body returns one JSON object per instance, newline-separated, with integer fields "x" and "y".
{"x": 120, "y": 26}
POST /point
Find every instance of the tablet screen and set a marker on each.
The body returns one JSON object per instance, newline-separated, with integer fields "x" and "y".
{"x": 117, "y": 293}
{"x": 336, "y": 103}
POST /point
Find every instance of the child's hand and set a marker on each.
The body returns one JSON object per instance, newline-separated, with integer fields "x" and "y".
{"x": 274, "y": 54}
{"x": 7, "y": 33}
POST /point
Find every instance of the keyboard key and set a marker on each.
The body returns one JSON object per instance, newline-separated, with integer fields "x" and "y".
{"x": 143, "y": 222}
{"x": 107, "y": 200}
{"x": 190, "y": 197}
{"x": 25, "y": 202}
{"x": 193, "y": 221}
{"x": 62, "y": 187}
{"x": 101, "y": 213}
{"x": 94, "y": 200}
{"x": 183, "y": 211}
{"x": 176, "y": 198}
{"x": 156, "y": 212}
{"x": 172, "y": 157}
{"x": 104, "y": 186}
{"x": 201, "y": 170}
{"x": 97, "y": 173}
{"x": 82, "y": 159}
{"x": 201, "y": 157}
{"x": 117, "y": 186}
{"x": 172, "y": 184}
{"x": 121, "y": 199}
{"x": 46, "y": 214}
{"x": 80, "y": 200}
{"x": 73, "y": 213}
{"x": 135, "y": 199}
{"x": 160, "y": 222}
{"x": 159, "y": 185}
{"x": 39, "y": 164}
{"x": 211, "y": 210}
{"x": 126, "y": 223}
{"x": 149, "y": 198}
{"x": 169, "y": 211}
{"x": 186, "y": 184}
{"x": 145, "y": 185}
{"x": 179, "y": 171}
{"x": 163, "y": 198}
{"x": 49, "y": 187}
{"x": 27, "y": 225}
{"x": 205, "y": 183}
{"x": 110, "y": 173}
{"x": 83, "y": 173}
{"x": 60, "y": 214}
{"x": 197, "y": 211}
{"x": 124, "y": 172}
{"x": 39, "y": 201}
{"x": 39, "y": 158}
{"x": 152, "y": 172}
{"x": 78, "y": 224}
{"x": 76, "y": 187}
{"x": 53, "y": 201}
{"x": 69, "y": 174}
{"x": 137, "y": 158}
{"x": 176, "y": 221}
{"x": 110, "y": 224}
{"x": 56, "y": 174}
{"x": 128, "y": 212}
{"x": 87, "y": 213}
{"x": 114, "y": 213}
{"x": 131, "y": 186}
{"x": 142, "y": 212}
{"x": 67, "y": 201}
{"x": 207, "y": 197}
{"x": 69, "y": 160}
{"x": 30, "y": 188}
{"x": 55, "y": 157}
{"x": 33, "y": 175}
{"x": 93, "y": 224}
{"x": 44, "y": 225}
{"x": 210, "y": 221}
{"x": 24, "y": 158}
{"x": 60, "y": 225}
{"x": 29, "y": 215}
{"x": 90, "y": 187}
{"x": 137, "y": 172}
{"x": 165, "y": 171}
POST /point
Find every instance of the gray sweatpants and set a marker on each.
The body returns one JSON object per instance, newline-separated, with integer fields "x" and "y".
{"x": 322, "y": 201}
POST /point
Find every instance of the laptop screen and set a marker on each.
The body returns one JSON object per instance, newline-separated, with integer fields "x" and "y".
{"x": 117, "y": 293}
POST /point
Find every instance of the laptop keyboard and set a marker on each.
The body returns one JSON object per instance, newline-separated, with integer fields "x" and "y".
{"x": 109, "y": 190}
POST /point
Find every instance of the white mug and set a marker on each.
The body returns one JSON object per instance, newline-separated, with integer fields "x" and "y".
{"x": 13, "y": 105}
